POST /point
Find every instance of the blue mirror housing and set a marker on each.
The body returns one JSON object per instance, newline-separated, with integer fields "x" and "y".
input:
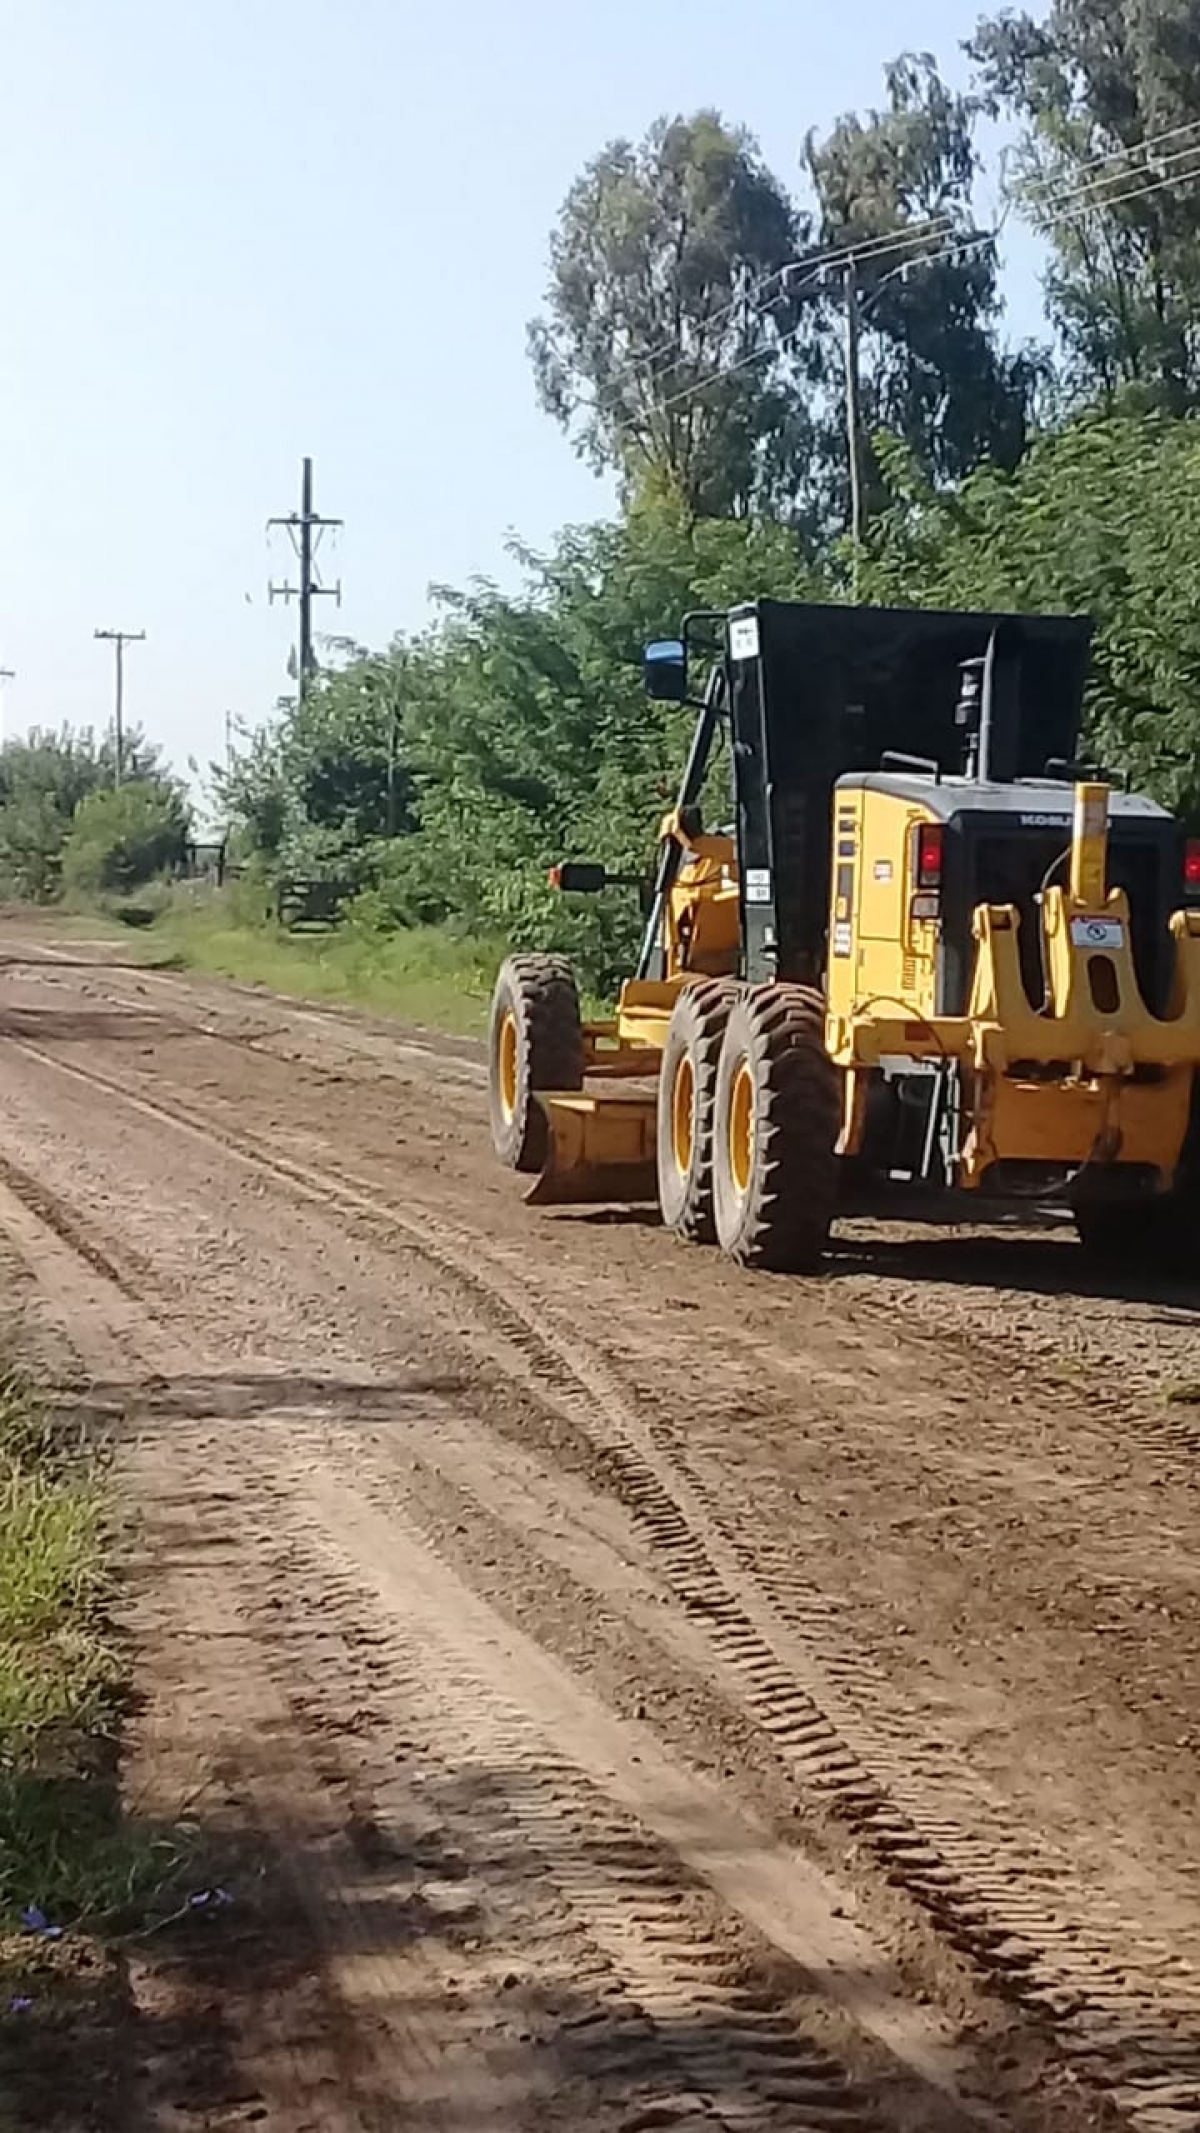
{"x": 664, "y": 665}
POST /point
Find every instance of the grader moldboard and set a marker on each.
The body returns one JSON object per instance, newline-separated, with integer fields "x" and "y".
{"x": 933, "y": 951}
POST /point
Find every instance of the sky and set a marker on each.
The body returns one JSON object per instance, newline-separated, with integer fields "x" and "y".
{"x": 234, "y": 232}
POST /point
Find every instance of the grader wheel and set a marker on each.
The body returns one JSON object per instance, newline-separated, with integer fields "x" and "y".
{"x": 687, "y": 1095}
{"x": 777, "y": 1113}
{"x": 536, "y": 1042}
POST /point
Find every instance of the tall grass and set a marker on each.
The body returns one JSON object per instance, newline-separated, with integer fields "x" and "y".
{"x": 65, "y": 1850}
{"x": 427, "y": 976}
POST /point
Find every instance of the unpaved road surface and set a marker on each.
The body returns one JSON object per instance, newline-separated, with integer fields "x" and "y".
{"x": 638, "y": 1695}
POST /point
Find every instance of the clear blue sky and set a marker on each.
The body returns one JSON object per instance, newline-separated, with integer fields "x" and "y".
{"x": 236, "y": 231}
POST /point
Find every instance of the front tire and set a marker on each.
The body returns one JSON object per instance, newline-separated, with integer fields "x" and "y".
{"x": 535, "y": 1043}
{"x": 687, "y": 1094}
{"x": 777, "y": 1119}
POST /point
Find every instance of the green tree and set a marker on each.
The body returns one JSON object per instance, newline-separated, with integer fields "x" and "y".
{"x": 663, "y": 346}
{"x": 330, "y": 780}
{"x": 124, "y": 837}
{"x": 522, "y": 734}
{"x": 530, "y": 735}
{"x": 44, "y": 778}
{"x": 1107, "y": 173}
{"x": 900, "y": 183}
{"x": 1099, "y": 519}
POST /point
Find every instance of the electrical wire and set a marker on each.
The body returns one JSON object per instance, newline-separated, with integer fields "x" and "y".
{"x": 1118, "y": 155}
{"x": 1044, "y": 194}
{"x": 867, "y": 248}
{"x": 962, "y": 248}
{"x": 817, "y": 269}
{"x": 1089, "y": 196}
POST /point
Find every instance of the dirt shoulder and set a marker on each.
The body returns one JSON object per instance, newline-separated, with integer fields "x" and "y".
{"x": 641, "y": 1688}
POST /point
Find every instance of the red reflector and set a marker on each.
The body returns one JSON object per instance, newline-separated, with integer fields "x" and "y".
{"x": 929, "y": 855}
{"x": 1191, "y": 863}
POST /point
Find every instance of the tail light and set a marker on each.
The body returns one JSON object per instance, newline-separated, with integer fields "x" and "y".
{"x": 928, "y": 855}
{"x": 1191, "y": 867}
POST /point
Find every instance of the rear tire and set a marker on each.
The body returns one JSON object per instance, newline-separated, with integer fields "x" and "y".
{"x": 687, "y": 1094}
{"x": 777, "y": 1120}
{"x": 535, "y": 1043}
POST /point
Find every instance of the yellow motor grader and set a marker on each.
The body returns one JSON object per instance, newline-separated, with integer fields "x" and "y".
{"x": 932, "y": 951}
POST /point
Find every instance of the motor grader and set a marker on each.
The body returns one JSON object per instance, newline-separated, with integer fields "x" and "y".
{"x": 932, "y": 951}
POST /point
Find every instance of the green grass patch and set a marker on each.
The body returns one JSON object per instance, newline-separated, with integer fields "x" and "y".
{"x": 1186, "y": 1394}
{"x": 65, "y": 1849}
{"x": 425, "y": 976}
{"x": 431, "y": 977}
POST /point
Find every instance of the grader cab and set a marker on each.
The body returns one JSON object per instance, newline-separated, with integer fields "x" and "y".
{"x": 931, "y": 950}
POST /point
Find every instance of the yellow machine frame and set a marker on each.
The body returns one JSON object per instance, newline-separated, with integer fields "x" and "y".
{"x": 1094, "y": 1077}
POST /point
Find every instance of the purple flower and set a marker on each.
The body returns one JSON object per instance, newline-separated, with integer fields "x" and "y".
{"x": 209, "y": 1899}
{"x": 21, "y": 2005}
{"x": 34, "y": 1920}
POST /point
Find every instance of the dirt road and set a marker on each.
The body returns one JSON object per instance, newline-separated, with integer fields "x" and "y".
{"x": 639, "y": 1695}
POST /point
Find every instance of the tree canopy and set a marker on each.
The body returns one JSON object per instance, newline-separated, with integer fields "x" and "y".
{"x": 897, "y": 184}
{"x": 1108, "y": 94}
{"x": 45, "y": 779}
{"x": 693, "y": 343}
{"x": 663, "y": 347}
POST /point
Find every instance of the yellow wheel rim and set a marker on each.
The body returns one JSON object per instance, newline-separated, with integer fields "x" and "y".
{"x": 506, "y": 1064}
{"x": 683, "y": 1116}
{"x": 741, "y": 1127}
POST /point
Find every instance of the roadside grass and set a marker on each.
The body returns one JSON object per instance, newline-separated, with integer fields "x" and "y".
{"x": 75, "y": 1873}
{"x": 431, "y": 977}
{"x": 428, "y": 976}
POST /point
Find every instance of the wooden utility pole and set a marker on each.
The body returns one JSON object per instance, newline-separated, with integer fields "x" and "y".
{"x": 120, "y": 638}
{"x": 304, "y": 528}
{"x": 853, "y": 419}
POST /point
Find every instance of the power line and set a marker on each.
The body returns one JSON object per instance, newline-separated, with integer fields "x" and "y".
{"x": 304, "y": 528}
{"x": 1052, "y": 206}
{"x": 958, "y": 251}
{"x": 120, "y": 638}
{"x": 885, "y": 244}
{"x": 868, "y": 248}
{"x": 1124, "y": 154}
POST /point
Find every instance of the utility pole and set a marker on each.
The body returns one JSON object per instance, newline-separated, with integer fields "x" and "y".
{"x": 853, "y": 420}
{"x": 6, "y": 674}
{"x": 305, "y": 528}
{"x": 120, "y": 638}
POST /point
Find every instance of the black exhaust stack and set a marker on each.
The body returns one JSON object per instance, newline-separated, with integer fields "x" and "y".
{"x": 989, "y": 710}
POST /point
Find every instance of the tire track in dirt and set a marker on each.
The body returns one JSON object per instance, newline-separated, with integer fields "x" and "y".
{"x": 698, "y": 2010}
{"x": 654, "y": 2008}
{"x": 954, "y": 1288}
{"x": 1126, "y": 2009}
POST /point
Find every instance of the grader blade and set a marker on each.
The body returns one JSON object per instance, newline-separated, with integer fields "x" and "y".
{"x": 600, "y": 1149}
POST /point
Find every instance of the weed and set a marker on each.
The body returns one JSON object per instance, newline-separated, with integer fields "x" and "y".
{"x": 65, "y": 1848}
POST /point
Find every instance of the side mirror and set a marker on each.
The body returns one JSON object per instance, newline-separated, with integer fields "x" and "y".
{"x": 665, "y": 668}
{"x": 579, "y": 877}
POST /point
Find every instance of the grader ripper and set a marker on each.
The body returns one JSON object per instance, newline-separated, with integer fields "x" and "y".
{"x": 932, "y": 951}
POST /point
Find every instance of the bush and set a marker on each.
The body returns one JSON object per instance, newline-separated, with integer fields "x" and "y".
{"x": 122, "y": 839}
